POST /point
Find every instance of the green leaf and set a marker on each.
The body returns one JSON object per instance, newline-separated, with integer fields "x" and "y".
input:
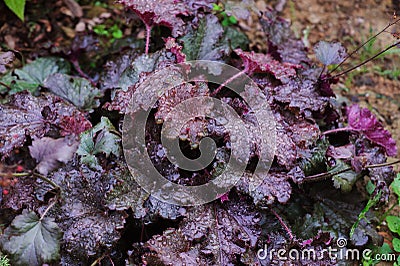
{"x": 103, "y": 138}
{"x": 30, "y": 240}
{"x": 16, "y": 6}
{"x": 202, "y": 43}
{"x": 396, "y": 244}
{"x": 346, "y": 180}
{"x": 371, "y": 202}
{"x": 315, "y": 161}
{"x": 235, "y": 39}
{"x": 393, "y": 223}
{"x": 78, "y": 91}
{"x": 370, "y": 187}
{"x": 397, "y": 263}
{"x": 101, "y": 30}
{"x": 4, "y": 261}
{"x": 32, "y": 75}
{"x": 396, "y": 186}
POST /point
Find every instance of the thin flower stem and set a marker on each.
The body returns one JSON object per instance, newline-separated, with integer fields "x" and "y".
{"x": 383, "y": 216}
{"x": 366, "y": 61}
{"x": 363, "y": 44}
{"x": 322, "y": 176}
{"x": 322, "y": 71}
{"x": 283, "y": 224}
{"x": 226, "y": 82}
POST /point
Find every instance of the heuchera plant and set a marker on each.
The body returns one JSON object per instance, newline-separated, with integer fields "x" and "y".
{"x": 76, "y": 199}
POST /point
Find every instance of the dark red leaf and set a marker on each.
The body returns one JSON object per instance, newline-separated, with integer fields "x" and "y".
{"x": 74, "y": 124}
{"x": 176, "y": 49}
{"x": 26, "y": 115}
{"x": 264, "y": 63}
{"x": 155, "y": 12}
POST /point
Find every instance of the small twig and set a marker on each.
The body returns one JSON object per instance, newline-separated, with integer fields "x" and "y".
{"x": 116, "y": 132}
{"x": 49, "y": 207}
{"x": 15, "y": 174}
{"x": 362, "y": 45}
{"x": 283, "y": 224}
{"x": 112, "y": 263}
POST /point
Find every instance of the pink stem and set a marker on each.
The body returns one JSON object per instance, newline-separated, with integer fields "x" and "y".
{"x": 342, "y": 129}
{"x": 148, "y": 33}
{"x": 75, "y": 63}
{"x": 287, "y": 229}
{"x": 228, "y": 81}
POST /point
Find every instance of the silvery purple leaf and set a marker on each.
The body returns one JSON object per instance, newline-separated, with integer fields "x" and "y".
{"x": 330, "y": 53}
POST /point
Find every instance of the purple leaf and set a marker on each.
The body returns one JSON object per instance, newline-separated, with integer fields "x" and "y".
{"x": 282, "y": 42}
{"x": 361, "y": 119}
{"x": 155, "y": 12}
{"x": 330, "y": 53}
{"x": 274, "y": 186}
{"x": 50, "y": 152}
{"x": 176, "y": 49}
{"x": 342, "y": 152}
{"x": 302, "y": 95}
{"x": 88, "y": 228}
{"x": 264, "y": 63}
{"x": 26, "y": 115}
{"x": 209, "y": 235}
